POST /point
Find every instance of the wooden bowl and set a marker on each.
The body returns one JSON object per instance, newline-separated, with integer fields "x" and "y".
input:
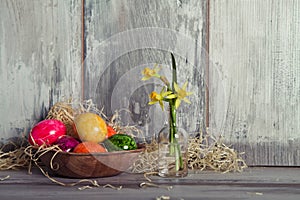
{"x": 94, "y": 165}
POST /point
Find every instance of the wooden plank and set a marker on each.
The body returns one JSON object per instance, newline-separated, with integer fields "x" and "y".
{"x": 254, "y": 46}
{"x": 251, "y": 175}
{"x": 39, "y": 60}
{"x": 253, "y": 183}
{"x": 123, "y": 37}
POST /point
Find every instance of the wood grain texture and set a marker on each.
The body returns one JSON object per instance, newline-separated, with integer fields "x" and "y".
{"x": 124, "y": 37}
{"x": 253, "y": 183}
{"x": 39, "y": 59}
{"x": 254, "y": 45}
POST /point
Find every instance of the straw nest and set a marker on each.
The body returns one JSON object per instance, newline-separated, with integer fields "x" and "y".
{"x": 64, "y": 112}
{"x": 202, "y": 155}
{"x": 12, "y": 155}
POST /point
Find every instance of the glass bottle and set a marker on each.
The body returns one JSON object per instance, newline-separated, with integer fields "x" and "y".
{"x": 172, "y": 155}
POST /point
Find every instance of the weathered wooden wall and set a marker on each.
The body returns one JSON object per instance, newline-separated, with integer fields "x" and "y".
{"x": 254, "y": 85}
{"x": 40, "y": 59}
{"x": 255, "y": 45}
{"x": 124, "y": 37}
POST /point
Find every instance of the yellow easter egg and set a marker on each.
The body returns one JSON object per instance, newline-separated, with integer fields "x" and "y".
{"x": 90, "y": 127}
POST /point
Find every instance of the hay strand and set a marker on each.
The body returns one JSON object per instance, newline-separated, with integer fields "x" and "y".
{"x": 147, "y": 160}
{"x": 202, "y": 155}
{"x": 64, "y": 112}
{"x": 34, "y": 153}
{"x": 14, "y": 159}
{"x": 215, "y": 156}
{"x": 5, "y": 178}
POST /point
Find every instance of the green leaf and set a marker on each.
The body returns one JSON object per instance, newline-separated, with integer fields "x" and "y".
{"x": 174, "y": 73}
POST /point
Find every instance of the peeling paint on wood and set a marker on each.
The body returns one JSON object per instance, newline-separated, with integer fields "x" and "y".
{"x": 123, "y": 37}
{"x": 39, "y": 60}
{"x": 255, "y": 46}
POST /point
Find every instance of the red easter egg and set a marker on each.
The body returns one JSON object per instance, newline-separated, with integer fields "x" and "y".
{"x": 47, "y": 131}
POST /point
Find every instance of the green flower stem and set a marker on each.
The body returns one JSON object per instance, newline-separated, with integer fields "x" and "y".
{"x": 170, "y": 96}
{"x": 175, "y": 147}
{"x": 173, "y": 126}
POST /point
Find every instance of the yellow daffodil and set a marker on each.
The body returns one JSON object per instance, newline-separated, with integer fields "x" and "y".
{"x": 159, "y": 98}
{"x": 149, "y": 73}
{"x": 181, "y": 94}
{"x": 173, "y": 96}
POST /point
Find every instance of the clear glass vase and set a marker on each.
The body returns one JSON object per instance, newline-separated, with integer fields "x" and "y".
{"x": 172, "y": 155}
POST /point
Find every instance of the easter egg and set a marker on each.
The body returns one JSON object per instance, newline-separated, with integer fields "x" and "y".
{"x": 66, "y": 143}
{"x": 89, "y": 147}
{"x": 110, "y": 131}
{"x": 90, "y": 127}
{"x": 47, "y": 132}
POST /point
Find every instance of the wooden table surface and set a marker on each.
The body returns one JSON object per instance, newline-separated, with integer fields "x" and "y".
{"x": 254, "y": 183}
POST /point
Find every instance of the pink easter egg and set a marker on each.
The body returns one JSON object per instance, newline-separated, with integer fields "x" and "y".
{"x": 66, "y": 143}
{"x": 47, "y": 131}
